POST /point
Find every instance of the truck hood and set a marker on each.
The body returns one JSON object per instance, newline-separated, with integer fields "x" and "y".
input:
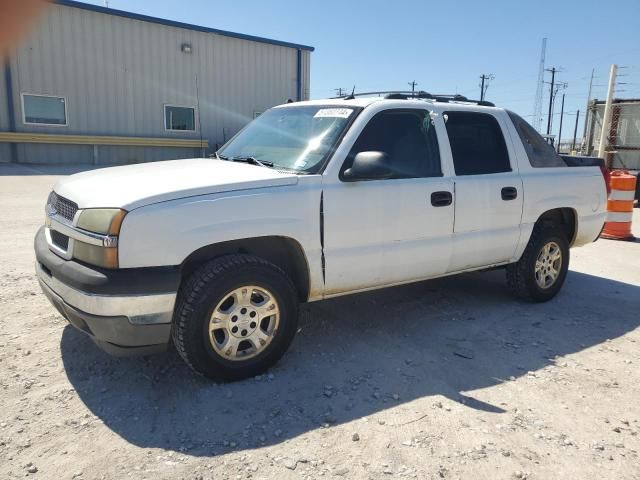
{"x": 134, "y": 186}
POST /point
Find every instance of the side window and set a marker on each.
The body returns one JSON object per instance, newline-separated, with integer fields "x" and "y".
{"x": 477, "y": 143}
{"x": 539, "y": 152}
{"x": 409, "y": 139}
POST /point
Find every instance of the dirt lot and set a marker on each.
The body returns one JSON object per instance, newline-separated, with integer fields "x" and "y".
{"x": 443, "y": 379}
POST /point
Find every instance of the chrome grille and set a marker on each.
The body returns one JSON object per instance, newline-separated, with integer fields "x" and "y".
{"x": 61, "y": 206}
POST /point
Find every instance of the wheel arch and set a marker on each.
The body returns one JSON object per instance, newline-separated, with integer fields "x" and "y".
{"x": 566, "y": 217}
{"x": 285, "y": 252}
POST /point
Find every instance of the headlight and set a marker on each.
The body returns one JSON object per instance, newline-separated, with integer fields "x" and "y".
{"x": 105, "y": 222}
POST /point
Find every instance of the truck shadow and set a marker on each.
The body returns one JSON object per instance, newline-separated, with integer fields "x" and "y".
{"x": 354, "y": 356}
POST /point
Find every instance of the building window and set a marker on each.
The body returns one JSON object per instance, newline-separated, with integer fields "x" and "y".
{"x": 44, "y": 110}
{"x": 179, "y": 118}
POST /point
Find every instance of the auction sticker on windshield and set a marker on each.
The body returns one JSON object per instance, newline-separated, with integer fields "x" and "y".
{"x": 333, "y": 112}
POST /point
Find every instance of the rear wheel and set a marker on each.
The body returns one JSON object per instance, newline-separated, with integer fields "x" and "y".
{"x": 235, "y": 317}
{"x": 540, "y": 273}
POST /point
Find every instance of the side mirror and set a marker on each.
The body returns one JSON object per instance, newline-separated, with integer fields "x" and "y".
{"x": 369, "y": 166}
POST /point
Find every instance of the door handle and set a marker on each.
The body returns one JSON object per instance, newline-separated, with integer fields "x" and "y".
{"x": 441, "y": 199}
{"x": 509, "y": 193}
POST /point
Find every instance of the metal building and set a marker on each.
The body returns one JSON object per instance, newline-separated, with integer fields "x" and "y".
{"x": 104, "y": 86}
{"x": 624, "y": 132}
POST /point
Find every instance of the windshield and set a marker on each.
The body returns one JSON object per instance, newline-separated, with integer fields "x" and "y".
{"x": 294, "y": 138}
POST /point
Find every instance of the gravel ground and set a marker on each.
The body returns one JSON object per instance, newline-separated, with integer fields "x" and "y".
{"x": 449, "y": 379}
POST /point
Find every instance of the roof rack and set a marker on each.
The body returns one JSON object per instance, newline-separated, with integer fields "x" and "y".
{"x": 408, "y": 94}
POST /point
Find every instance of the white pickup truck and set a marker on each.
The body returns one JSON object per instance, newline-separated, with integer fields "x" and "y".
{"x": 310, "y": 201}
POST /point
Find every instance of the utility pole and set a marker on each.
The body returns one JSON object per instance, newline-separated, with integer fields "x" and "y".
{"x": 584, "y": 133}
{"x": 483, "y": 90}
{"x": 575, "y": 131}
{"x": 558, "y": 86}
{"x": 560, "y": 130}
{"x": 339, "y": 91}
{"x": 551, "y": 95}
{"x": 604, "y": 135}
{"x": 413, "y": 87}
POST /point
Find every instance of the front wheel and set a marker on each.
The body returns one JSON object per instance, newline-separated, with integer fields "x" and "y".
{"x": 235, "y": 317}
{"x": 540, "y": 273}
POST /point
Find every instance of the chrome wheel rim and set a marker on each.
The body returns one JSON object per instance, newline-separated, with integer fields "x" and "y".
{"x": 548, "y": 265}
{"x": 244, "y": 323}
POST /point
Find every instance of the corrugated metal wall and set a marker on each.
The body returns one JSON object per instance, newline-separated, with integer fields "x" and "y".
{"x": 5, "y": 150}
{"x": 117, "y": 73}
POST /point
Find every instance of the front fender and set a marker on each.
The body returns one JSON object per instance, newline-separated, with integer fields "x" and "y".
{"x": 167, "y": 233}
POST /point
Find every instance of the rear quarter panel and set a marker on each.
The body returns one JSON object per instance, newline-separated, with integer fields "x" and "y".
{"x": 580, "y": 188}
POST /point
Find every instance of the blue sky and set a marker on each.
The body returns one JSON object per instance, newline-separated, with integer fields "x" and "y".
{"x": 444, "y": 46}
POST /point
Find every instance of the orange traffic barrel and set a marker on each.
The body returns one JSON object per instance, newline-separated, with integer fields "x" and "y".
{"x": 620, "y": 206}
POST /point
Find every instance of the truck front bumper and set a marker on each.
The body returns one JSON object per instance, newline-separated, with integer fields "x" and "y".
{"x": 126, "y": 312}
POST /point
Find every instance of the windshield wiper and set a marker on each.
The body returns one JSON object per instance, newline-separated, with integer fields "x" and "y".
{"x": 252, "y": 161}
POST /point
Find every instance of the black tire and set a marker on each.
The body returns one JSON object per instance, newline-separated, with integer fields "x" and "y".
{"x": 521, "y": 278}
{"x": 204, "y": 289}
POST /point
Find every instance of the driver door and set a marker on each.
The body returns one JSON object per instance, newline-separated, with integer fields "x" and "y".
{"x": 384, "y": 232}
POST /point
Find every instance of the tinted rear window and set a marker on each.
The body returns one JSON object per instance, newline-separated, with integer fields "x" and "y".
{"x": 539, "y": 152}
{"x": 477, "y": 143}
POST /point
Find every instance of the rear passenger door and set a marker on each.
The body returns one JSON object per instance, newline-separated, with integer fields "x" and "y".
{"x": 488, "y": 190}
